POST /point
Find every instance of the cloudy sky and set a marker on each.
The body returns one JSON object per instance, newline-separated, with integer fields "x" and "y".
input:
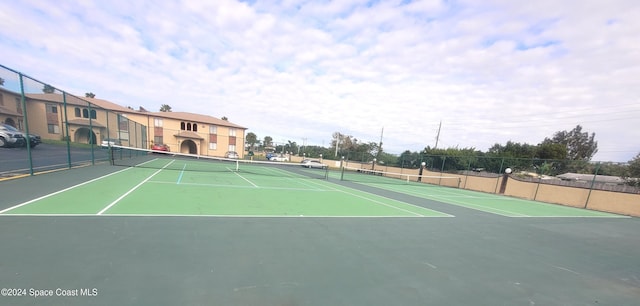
{"x": 491, "y": 71}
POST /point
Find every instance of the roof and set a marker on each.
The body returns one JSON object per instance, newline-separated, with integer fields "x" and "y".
{"x": 104, "y": 104}
{"x": 74, "y": 100}
{"x": 188, "y": 134}
{"x": 85, "y": 122}
{"x": 194, "y": 117}
{"x": 6, "y": 111}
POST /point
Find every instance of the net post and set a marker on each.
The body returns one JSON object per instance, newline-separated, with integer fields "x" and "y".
{"x": 110, "y": 156}
{"x": 237, "y": 165}
{"x": 342, "y": 168}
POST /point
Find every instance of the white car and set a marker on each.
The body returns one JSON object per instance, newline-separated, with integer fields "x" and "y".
{"x": 108, "y": 142}
{"x": 279, "y": 158}
{"x": 308, "y": 163}
{"x": 232, "y": 155}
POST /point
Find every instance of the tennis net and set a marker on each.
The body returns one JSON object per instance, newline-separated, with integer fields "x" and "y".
{"x": 382, "y": 177}
{"x": 143, "y": 158}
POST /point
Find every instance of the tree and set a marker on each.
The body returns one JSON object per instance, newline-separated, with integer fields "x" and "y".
{"x": 632, "y": 175}
{"x": 251, "y": 139}
{"x": 580, "y": 145}
{"x": 90, "y": 95}
{"x": 268, "y": 141}
{"x": 225, "y": 118}
{"x": 550, "y": 150}
{"x": 165, "y": 108}
{"x": 48, "y": 89}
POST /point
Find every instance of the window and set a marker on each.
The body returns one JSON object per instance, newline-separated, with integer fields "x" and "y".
{"x": 157, "y": 122}
{"x": 157, "y": 139}
{"x": 52, "y": 109}
{"x": 182, "y": 126}
{"x": 213, "y": 146}
{"x": 188, "y": 126}
{"x": 232, "y": 132}
{"x": 53, "y": 128}
{"x": 195, "y": 127}
{"x": 232, "y": 148}
{"x": 77, "y": 111}
{"x": 213, "y": 129}
{"x": 85, "y": 113}
{"x": 93, "y": 114}
{"x": 2, "y": 100}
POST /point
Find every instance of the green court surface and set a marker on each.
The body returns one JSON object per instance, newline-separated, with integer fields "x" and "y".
{"x": 490, "y": 203}
{"x": 163, "y": 191}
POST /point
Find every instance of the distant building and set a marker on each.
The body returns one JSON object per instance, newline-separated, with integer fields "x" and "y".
{"x": 605, "y": 179}
{"x": 91, "y": 120}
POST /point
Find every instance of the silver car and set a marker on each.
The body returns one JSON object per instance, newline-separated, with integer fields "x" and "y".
{"x": 11, "y": 137}
{"x": 308, "y": 163}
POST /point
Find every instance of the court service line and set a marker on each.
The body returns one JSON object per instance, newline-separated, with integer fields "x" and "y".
{"x": 288, "y": 177}
{"x": 181, "y": 173}
{"x": 61, "y": 191}
{"x": 447, "y": 200}
{"x": 242, "y": 177}
{"x": 134, "y": 188}
{"x": 242, "y": 186}
{"x": 378, "y": 202}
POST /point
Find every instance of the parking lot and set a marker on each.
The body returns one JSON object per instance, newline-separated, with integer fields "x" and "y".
{"x": 44, "y": 157}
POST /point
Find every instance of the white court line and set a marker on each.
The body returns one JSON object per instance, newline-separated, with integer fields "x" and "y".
{"x": 134, "y": 188}
{"x": 385, "y": 204}
{"x": 210, "y": 216}
{"x": 297, "y": 179}
{"x": 241, "y": 186}
{"x": 565, "y": 269}
{"x": 482, "y": 208}
{"x": 242, "y": 177}
{"x": 61, "y": 191}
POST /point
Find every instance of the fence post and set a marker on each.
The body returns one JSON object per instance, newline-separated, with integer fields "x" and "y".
{"x": 498, "y": 179}
{"x": 26, "y": 123}
{"x": 593, "y": 181}
{"x": 66, "y": 127}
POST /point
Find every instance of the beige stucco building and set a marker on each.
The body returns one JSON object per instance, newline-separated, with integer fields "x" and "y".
{"x": 88, "y": 120}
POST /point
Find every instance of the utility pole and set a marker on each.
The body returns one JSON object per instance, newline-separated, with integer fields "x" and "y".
{"x": 380, "y": 145}
{"x": 438, "y": 136}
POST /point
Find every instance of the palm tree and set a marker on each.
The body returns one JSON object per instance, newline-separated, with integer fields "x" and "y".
{"x": 48, "y": 89}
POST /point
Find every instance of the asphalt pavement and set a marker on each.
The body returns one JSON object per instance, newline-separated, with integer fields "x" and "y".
{"x": 44, "y": 157}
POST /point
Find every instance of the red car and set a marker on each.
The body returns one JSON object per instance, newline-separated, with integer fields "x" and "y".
{"x": 160, "y": 147}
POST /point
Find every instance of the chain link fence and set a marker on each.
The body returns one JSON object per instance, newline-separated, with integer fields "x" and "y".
{"x": 43, "y": 128}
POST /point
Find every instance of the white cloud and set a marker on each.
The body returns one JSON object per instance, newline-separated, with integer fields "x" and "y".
{"x": 492, "y": 71}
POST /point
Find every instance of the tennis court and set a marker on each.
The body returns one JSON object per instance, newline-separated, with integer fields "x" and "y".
{"x": 162, "y": 229}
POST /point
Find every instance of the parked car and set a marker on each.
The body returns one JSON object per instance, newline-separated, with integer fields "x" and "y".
{"x": 279, "y": 158}
{"x": 34, "y": 140}
{"x": 160, "y": 147}
{"x": 309, "y": 163}
{"x": 11, "y": 137}
{"x": 108, "y": 142}
{"x": 232, "y": 154}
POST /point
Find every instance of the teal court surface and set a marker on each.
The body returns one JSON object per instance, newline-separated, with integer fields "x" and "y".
{"x": 182, "y": 231}
{"x": 166, "y": 186}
